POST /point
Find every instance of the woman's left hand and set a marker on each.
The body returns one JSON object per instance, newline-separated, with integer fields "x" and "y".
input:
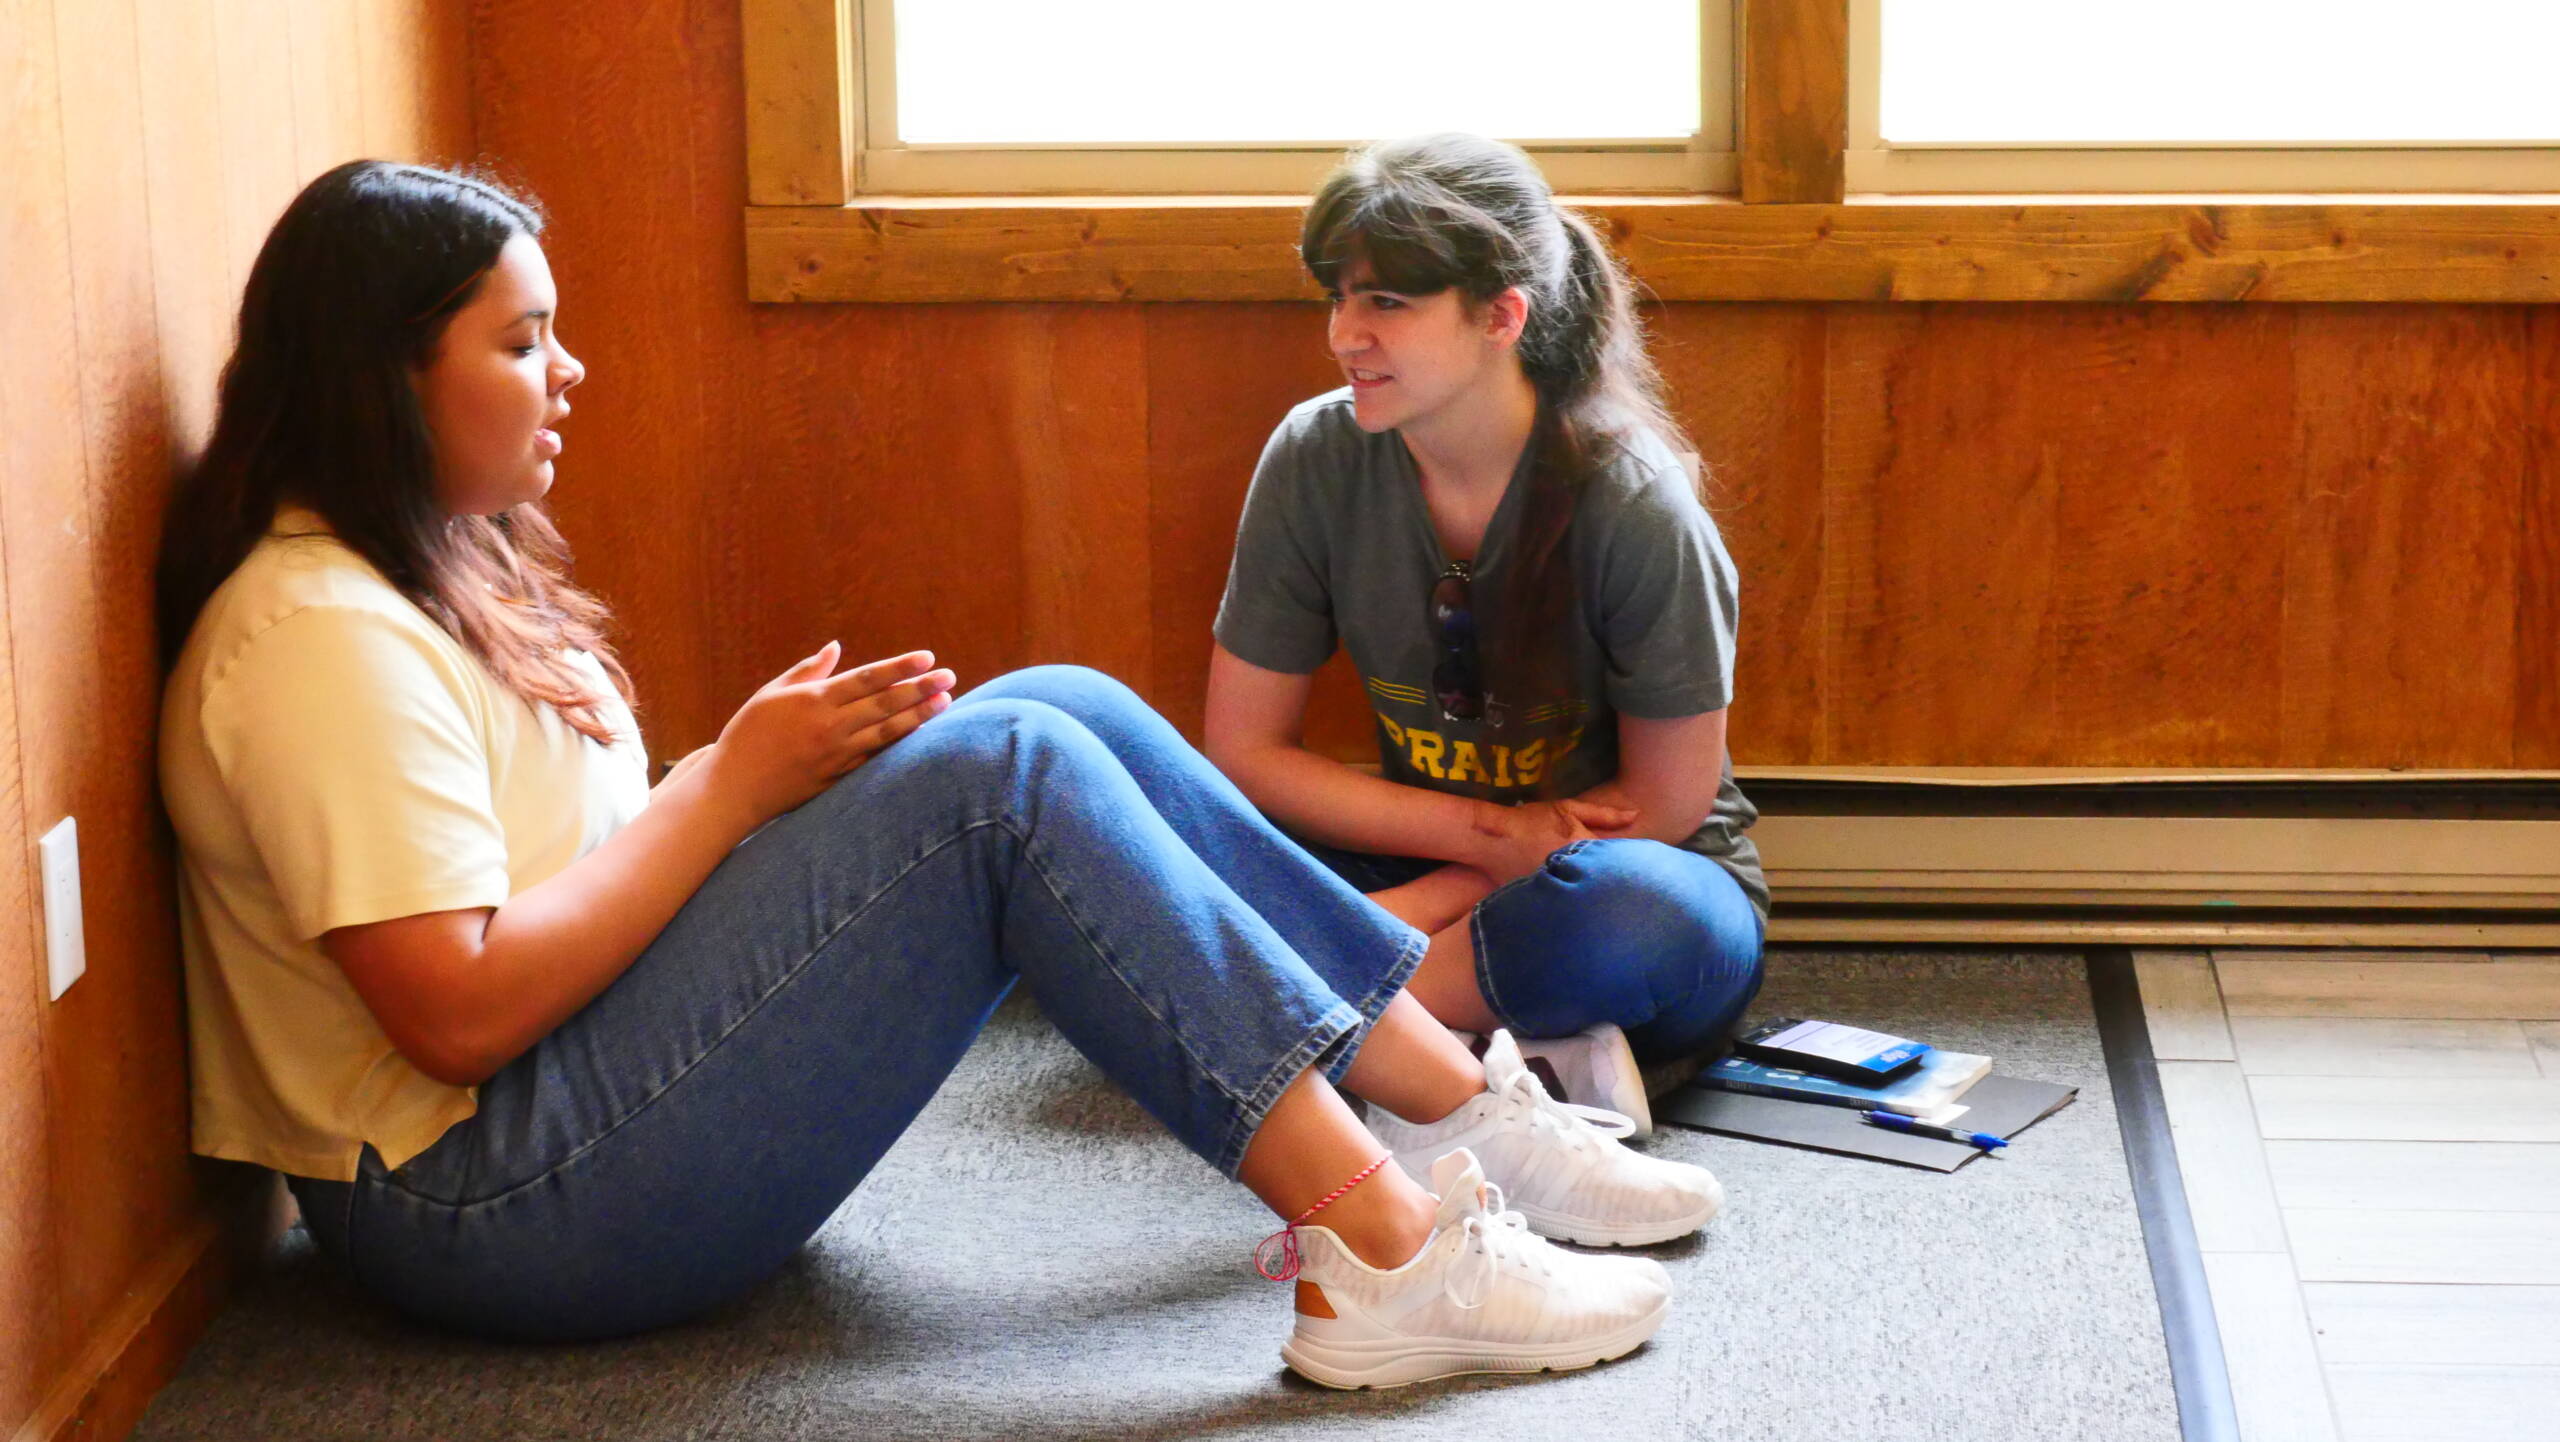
{"x": 1600, "y": 818}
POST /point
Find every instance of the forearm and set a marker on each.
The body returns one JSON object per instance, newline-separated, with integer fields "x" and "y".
{"x": 1659, "y": 817}
{"x": 1324, "y": 800}
{"x": 1436, "y": 900}
{"x": 554, "y": 946}
{"x": 1669, "y": 774}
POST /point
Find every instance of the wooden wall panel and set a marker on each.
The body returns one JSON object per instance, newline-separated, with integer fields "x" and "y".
{"x": 2537, "y": 620}
{"x": 1748, "y": 383}
{"x": 606, "y": 117}
{"x": 2415, "y": 430}
{"x": 149, "y": 144}
{"x": 2033, "y": 565}
{"x": 120, "y": 1123}
{"x": 1219, "y": 378}
{"x": 52, "y": 603}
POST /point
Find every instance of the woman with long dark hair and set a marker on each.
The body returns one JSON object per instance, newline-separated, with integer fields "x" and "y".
{"x": 1495, "y": 518}
{"x": 545, "y": 1052}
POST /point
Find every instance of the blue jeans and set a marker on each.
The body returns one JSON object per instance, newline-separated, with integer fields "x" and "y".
{"x": 681, "y": 1136}
{"x": 1660, "y": 941}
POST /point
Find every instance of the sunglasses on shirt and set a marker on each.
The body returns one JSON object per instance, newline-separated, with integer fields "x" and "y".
{"x": 1457, "y": 678}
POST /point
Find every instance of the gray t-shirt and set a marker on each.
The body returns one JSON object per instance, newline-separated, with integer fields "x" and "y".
{"x": 1336, "y": 545}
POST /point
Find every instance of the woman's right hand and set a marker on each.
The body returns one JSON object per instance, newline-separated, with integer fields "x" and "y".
{"x": 809, "y": 726}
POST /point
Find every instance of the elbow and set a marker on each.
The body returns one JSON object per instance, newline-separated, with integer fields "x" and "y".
{"x": 456, "y": 1072}
{"x": 1232, "y": 755}
{"x": 450, "y": 1057}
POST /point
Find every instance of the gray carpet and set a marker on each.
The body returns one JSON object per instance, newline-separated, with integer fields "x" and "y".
{"x": 1035, "y": 1261}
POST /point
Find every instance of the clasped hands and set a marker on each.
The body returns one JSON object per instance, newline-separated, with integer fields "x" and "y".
{"x": 1513, "y": 841}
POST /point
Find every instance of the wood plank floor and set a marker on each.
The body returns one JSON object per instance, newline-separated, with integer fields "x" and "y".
{"x": 2371, "y": 1148}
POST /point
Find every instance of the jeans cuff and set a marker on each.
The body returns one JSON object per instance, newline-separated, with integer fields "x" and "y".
{"x": 1339, "y": 1022}
{"x": 1408, "y": 960}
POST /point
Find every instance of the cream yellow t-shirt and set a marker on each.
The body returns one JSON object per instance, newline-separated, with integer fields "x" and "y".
{"x": 330, "y": 757}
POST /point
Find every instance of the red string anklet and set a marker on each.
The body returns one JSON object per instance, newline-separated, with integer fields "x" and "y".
{"x": 1280, "y": 1264}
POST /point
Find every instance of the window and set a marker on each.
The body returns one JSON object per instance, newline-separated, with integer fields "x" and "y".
{"x": 1162, "y": 96}
{"x": 2203, "y": 95}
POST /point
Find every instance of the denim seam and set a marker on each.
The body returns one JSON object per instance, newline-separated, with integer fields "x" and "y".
{"x": 1338, "y": 1023}
{"x": 797, "y": 970}
{"x": 1408, "y": 960}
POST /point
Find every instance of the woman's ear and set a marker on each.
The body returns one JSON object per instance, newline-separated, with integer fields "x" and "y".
{"x": 1505, "y": 315}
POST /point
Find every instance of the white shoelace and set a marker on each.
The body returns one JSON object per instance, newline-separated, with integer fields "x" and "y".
{"x": 1486, "y": 1239}
{"x": 1576, "y": 1124}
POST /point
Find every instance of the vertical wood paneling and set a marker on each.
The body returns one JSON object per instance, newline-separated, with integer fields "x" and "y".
{"x": 414, "y": 80}
{"x": 1748, "y": 384}
{"x": 196, "y": 303}
{"x": 324, "y": 50}
{"x": 2415, "y": 431}
{"x": 51, "y": 602}
{"x": 2537, "y": 619}
{"x": 149, "y": 144}
{"x": 119, "y": 1078}
{"x": 253, "y": 65}
{"x": 1219, "y": 379}
{"x": 31, "y": 245}
{"x": 665, "y": 468}
{"x": 1076, "y": 408}
{"x": 28, "y": 1260}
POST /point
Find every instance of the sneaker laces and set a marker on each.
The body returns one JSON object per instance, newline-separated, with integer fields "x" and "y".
{"x": 1486, "y": 1239}
{"x": 1571, "y": 1122}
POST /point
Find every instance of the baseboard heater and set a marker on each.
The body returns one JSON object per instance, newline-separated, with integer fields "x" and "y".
{"x": 2233, "y": 857}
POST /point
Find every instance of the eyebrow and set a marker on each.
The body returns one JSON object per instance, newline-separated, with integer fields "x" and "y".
{"x": 531, "y": 315}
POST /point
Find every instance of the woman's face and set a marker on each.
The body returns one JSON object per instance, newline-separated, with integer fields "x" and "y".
{"x": 1408, "y": 357}
{"x": 497, "y": 385}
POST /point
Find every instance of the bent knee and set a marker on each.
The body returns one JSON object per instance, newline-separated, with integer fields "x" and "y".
{"x": 1076, "y": 690}
{"x": 1642, "y": 926}
{"x": 989, "y": 736}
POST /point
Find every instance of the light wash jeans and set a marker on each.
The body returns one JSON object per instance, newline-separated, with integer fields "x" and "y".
{"x": 1659, "y": 941}
{"x": 678, "y": 1139}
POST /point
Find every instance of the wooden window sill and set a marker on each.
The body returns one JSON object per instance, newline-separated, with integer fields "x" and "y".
{"x": 2455, "y": 248}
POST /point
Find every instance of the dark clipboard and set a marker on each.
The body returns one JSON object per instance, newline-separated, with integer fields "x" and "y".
{"x": 2001, "y": 1105}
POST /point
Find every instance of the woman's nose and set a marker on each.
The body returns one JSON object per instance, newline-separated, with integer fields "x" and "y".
{"x": 567, "y": 371}
{"x": 1343, "y": 335}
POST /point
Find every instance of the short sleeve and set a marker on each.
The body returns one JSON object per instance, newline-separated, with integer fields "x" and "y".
{"x": 1278, "y": 609}
{"x": 344, "y": 737}
{"x": 1665, "y": 604}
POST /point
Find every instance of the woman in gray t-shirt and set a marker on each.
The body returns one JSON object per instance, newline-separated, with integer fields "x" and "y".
{"x": 1494, "y": 519}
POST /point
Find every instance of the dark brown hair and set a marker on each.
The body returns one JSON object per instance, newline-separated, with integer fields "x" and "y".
{"x": 1432, "y": 213}
{"x": 352, "y": 291}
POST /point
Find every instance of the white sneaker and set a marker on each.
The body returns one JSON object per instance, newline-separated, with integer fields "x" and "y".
{"x": 1560, "y": 1164}
{"x": 1483, "y": 1295}
{"x": 1594, "y": 1067}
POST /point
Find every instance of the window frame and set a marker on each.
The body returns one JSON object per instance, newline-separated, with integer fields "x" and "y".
{"x": 1793, "y": 233}
{"x": 1874, "y": 167}
{"x": 883, "y": 164}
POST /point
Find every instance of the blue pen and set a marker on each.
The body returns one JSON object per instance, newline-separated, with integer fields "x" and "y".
{"x": 1900, "y": 1123}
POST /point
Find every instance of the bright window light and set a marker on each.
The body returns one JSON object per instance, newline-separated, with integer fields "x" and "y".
{"x": 1211, "y": 72}
{"x": 2233, "y": 72}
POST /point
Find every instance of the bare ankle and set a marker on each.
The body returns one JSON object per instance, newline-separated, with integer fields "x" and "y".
{"x": 1391, "y": 1228}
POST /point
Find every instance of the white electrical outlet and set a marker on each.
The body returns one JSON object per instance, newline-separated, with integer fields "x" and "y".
{"x": 66, "y": 943}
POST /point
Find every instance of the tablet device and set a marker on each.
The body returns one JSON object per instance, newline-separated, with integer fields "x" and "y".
{"x": 1828, "y": 1048}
